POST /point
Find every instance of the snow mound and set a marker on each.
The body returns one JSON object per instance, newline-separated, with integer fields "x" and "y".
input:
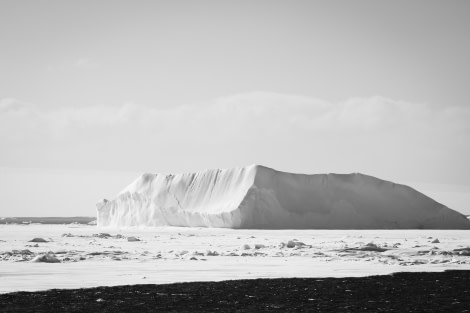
{"x": 259, "y": 197}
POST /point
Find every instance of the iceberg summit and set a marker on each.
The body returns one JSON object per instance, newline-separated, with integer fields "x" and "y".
{"x": 260, "y": 197}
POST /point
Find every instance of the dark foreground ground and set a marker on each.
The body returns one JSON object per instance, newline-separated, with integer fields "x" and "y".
{"x": 402, "y": 292}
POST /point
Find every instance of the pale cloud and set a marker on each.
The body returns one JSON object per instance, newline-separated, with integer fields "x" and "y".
{"x": 12, "y": 105}
{"x": 85, "y": 63}
{"x": 269, "y": 111}
{"x": 260, "y": 127}
{"x": 70, "y": 64}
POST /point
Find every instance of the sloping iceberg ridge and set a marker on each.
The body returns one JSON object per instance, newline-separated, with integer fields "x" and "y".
{"x": 259, "y": 197}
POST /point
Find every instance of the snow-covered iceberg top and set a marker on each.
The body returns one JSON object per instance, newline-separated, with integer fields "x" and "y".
{"x": 259, "y": 197}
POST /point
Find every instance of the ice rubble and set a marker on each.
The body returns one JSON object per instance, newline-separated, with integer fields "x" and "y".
{"x": 259, "y": 197}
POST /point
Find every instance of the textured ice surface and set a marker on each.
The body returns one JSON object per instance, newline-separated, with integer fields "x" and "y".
{"x": 91, "y": 256}
{"x": 260, "y": 197}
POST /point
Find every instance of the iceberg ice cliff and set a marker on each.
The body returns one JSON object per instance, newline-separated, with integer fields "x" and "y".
{"x": 260, "y": 197}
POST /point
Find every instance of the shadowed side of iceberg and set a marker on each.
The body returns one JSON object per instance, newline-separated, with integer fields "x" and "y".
{"x": 341, "y": 201}
{"x": 260, "y": 197}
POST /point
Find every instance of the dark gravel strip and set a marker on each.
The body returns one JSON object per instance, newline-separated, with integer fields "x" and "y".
{"x": 402, "y": 292}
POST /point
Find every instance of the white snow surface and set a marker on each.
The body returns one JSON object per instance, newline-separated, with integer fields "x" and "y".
{"x": 257, "y": 197}
{"x": 89, "y": 256}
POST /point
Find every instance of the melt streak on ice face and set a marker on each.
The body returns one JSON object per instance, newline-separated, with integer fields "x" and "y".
{"x": 260, "y": 197}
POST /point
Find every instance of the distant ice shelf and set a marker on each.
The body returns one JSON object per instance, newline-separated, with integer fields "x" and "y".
{"x": 260, "y": 197}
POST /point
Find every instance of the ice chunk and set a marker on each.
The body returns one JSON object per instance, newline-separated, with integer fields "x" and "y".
{"x": 37, "y": 239}
{"x": 46, "y": 258}
{"x": 290, "y": 244}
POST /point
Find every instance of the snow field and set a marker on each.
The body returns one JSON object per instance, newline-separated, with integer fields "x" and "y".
{"x": 90, "y": 256}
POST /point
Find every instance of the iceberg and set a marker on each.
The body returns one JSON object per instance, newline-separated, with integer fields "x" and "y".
{"x": 258, "y": 197}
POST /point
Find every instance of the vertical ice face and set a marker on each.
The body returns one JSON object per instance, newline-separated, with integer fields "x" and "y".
{"x": 210, "y": 198}
{"x": 260, "y": 197}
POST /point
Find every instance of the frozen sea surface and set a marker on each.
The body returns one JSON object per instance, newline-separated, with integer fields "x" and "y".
{"x": 91, "y": 256}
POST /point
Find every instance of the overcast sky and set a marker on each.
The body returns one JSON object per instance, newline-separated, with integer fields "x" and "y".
{"x": 108, "y": 89}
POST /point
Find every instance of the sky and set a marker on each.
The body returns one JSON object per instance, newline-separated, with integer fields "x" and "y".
{"x": 92, "y": 93}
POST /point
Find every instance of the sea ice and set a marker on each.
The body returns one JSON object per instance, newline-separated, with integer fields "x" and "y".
{"x": 166, "y": 254}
